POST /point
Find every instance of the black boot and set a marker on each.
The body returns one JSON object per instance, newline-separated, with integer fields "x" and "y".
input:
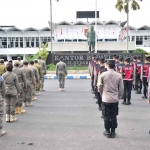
{"x": 107, "y": 133}
{"x": 124, "y": 103}
{"x": 128, "y": 103}
{"x": 113, "y": 134}
{"x": 100, "y": 108}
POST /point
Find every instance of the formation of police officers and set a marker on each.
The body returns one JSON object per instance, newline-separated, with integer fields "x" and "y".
{"x": 134, "y": 73}
{"x": 19, "y": 84}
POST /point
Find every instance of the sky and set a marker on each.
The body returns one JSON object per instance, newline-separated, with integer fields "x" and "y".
{"x": 36, "y": 13}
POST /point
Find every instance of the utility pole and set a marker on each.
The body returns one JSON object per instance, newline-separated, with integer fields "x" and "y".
{"x": 128, "y": 28}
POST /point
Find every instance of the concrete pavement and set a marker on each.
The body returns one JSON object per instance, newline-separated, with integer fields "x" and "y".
{"x": 70, "y": 120}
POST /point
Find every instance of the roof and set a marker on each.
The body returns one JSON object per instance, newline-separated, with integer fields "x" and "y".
{"x": 122, "y": 24}
{"x": 2, "y": 29}
{"x": 111, "y": 22}
{"x": 144, "y": 28}
{"x": 45, "y": 29}
{"x": 30, "y": 29}
{"x": 64, "y": 23}
{"x": 79, "y": 23}
{"x": 98, "y": 23}
{"x": 131, "y": 28}
{"x": 14, "y": 29}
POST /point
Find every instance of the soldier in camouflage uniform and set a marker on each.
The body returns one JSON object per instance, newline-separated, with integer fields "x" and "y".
{"x": 23, "y": 86}
{"x": 61, "y": 72}
{"x": 43, "y": 66}
{"x": 21, "y": 64}
{"x": 30, "y": 80}
{"x": 40, "y": 76}
{"x": 2, "y": 67}
{"x": 2, "y": 96}
{"x": 12, "y": 92}
{"x": 36, "y": 75}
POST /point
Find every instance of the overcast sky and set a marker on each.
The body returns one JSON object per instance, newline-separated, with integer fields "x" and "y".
{"x": 36, "y": 13}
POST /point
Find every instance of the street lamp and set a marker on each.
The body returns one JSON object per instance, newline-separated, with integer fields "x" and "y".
{"x": 51, "y": 22}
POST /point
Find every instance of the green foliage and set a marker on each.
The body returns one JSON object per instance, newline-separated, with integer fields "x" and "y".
{"x": 52, "y": 67}
{"x": 139, "y": 50}
{"x": 124, "y": 5}
{"x": 29, "y": 58}
{"x": 43, "y": 52}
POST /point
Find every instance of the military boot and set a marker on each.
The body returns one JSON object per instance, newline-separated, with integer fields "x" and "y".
{"x": 22, "y": 111}
{"x": 107, "y": 133}
{"x": 13, "y": 118}
{"x": 16, "y": 110}
{"x": 113, "y": 134}
{"x": 7, "y": 118}
{"x": 2, "y": 133}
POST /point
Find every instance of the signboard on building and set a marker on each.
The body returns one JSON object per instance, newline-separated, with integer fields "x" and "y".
{"x": 83, "y": 59}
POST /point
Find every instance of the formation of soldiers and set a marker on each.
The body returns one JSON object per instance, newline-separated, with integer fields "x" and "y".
{"x": 135, "y": 76}
{"x": 19, "y": 84}
{"x": 134, "y": 73}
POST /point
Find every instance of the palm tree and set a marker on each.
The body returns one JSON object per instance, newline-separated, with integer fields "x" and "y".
{"x": 124, "y": 5}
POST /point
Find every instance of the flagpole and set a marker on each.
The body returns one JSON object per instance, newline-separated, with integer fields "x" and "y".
{"x": 96, "y": 26}
{"x": 51, "y": 25}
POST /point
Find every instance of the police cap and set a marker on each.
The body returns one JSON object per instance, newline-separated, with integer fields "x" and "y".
{"x": 16, "y": 63}
{"x": 110, "y": 62}
{"x": 1, "y": 60}
{"x": 25, "y": 62}
{"x": 127, "y": 59}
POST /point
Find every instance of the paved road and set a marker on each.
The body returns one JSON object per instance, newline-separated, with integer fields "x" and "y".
{"x": 71, "y": 121}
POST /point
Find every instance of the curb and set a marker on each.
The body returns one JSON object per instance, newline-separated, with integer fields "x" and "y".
{"x": 74, "y": 76}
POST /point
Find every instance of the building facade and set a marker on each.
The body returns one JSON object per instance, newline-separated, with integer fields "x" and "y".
{"x": 71, "y": 37}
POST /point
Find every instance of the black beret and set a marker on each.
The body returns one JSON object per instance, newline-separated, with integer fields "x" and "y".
{"x": 127, "y": 59}
{"x": 110, "y": 61}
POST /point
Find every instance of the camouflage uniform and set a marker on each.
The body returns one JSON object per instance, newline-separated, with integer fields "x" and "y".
{"x": 61, "y": 72}
{"x": 40, "y": 76}
{"x": 12, "y": 90}
{"x": 43, "y": 66}
{"x": 2, "y": 95}
{"x": 23, "y": 86}
{"x": 2, "y": 67}
{"x": 30, "y": 80}
{"x": 36, "y": 75}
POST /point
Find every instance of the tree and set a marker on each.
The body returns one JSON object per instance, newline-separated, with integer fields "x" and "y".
{"x": 124, "y": 5}
{"x": 42, "y": 52}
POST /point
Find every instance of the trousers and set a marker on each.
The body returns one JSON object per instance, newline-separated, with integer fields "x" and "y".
{"x": 1, "y": 113}
{"x": 61, "y": 79}
{"x": 28, "y": 93}
{"x": 127, "y": 90}
{"x": 145, "y": 86}
{"x": 110, "y": 112}
{"x": 138, "y": 83}
{"x": 42, "y": 82}
{"x": 99, "y": 98}
{"x": 21, "y": 97}
{"x": 10, "y": 104}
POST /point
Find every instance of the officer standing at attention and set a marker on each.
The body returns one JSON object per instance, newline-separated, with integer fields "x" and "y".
{"x": 91, "y": 70}
{"x": 144, "y": 75}
{"x": 128, "y": 76}
{"x": 61, "y": 72}
{"x": 2, "y": 67}
{"x": 2, "y": 96}
{"x": 43, "y": 66}
{"x": 21, "y": 64}
{"x": 138, "y": 82}
{"x": 110, "y": 97}
{"x": 23, "y": 86}
{"x": 40, "y": 76}
{"x": 120, "y": 65}
{"x": 30, "y": 81}
{"x": 12, "y": 92}
{"x": 133, "y": 63}
{"x": 36, "y": 75}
